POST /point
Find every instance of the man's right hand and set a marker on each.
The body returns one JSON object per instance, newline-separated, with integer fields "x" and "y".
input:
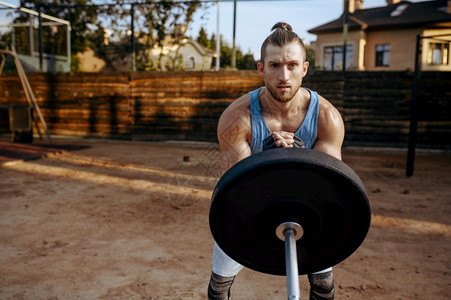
{"x": 283, "y": 139}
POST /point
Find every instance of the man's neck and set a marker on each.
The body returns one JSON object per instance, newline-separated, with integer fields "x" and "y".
{"x": 299, "y": 102}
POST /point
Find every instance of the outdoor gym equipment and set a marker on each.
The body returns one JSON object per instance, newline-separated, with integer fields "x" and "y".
{"x": 312, "y": 201}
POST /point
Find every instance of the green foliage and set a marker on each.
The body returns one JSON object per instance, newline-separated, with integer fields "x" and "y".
{"x": 212, "y": 44}
{"x": 5, "y": 40}
{"x": 154, "y": 20}
{"x": 243, "y": 61}
{"x": 82, "y": 16}
{"x": 247, "y": 62}
{"x": 78, "y": 12}
{"x": 310, "y": 57}
{"x": 203, "y": 38}
{"x": 75, "y": 64}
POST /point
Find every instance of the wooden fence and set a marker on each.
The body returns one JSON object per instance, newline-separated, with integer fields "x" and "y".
{"x": 187, "y": 105}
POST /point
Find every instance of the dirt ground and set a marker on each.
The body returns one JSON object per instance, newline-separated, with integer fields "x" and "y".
{"x": 129, "y": 220}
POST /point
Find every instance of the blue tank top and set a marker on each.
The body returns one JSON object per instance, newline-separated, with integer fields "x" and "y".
{"x": 306, "y": 132}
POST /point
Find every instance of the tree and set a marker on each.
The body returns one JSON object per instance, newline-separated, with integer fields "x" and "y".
{"x": 5, "y": 39}
{"x": 212, "y": 45}
{"x": 80, "y": 15}
{"x": 310, "y": 53}
{"x": 154, "y": 19}
{"x": 158, "y": 23}
{"x": 203, "y": 38}
{"x": 243, "y": 62}
{"x": 247, "y": 62}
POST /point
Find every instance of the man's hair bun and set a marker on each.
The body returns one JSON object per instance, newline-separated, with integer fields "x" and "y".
{"x": 281, "y": 35}
{"x": 282, "y": 25}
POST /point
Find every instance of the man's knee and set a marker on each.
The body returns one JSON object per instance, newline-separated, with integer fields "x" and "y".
{"x": 321, "y": 286}
{"x": 219, "y": 287}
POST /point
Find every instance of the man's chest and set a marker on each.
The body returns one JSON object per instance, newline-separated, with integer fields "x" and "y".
{"x": 288, "y": 123}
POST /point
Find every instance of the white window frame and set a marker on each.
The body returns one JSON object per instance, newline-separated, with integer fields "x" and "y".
{"x": 350, "y": 49}
{"x": 385, "y": 49}
{"x": 438, "y": 56}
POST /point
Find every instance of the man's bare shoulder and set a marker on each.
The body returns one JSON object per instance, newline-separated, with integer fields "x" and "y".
{"x": 235, "y": 122}
{"x": 238, "y": 110}
{"x": 327, "y": 110}
{"x": 330, "y": 133}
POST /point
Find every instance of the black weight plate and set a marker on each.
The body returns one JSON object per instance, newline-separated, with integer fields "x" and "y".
{"x": 323, "y": 194}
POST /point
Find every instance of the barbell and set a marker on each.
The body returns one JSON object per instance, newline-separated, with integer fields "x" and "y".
{"x": 312, "y": 201}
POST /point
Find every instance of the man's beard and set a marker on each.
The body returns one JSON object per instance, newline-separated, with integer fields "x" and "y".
{"x": 286, "y": 96}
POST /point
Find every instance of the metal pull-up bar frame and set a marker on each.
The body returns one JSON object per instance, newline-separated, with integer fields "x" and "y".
{"x": 413, "y": 128}
{"x": 41, "y": 16}
{"x": 26, "y": 86}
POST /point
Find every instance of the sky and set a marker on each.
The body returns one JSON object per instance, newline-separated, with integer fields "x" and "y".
{"x": 254, "y": 19}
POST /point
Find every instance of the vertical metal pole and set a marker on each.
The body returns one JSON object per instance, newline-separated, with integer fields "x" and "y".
{"x": 29, "y": 91}
{"x": 345, "y": 31}
{"x": 2, "y": 64}
{"x": 234, "y": 35}
{"x": 30, "y": 35}
{"x": 69, "y": 50}
{"x": 414, "y": 110}
{"x": 132, "y": 38}
{"x": 218, "y": 40}
{"x": 41, "y": 48}
{"x": 13, "y": 37}
{"x": 291, "y": 262}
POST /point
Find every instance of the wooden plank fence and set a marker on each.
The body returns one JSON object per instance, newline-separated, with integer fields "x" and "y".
{"x": 187, "y": 105}
{"x": 184, "y": 105}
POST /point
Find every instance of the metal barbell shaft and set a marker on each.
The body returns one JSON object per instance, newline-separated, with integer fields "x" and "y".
{"x": 291, "y": 261}
{"x": 290, "y": 232}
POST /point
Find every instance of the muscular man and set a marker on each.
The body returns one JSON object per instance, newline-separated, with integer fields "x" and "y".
{"x": 282, "y": 109}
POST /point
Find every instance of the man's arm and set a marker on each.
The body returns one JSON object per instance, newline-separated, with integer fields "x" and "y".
{"x": 331, "y": 130}
{"x": 234, "y": 132}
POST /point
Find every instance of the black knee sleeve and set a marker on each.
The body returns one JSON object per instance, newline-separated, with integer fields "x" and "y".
{"x": 321, "y": 286}
{"x": 219, "y": 287}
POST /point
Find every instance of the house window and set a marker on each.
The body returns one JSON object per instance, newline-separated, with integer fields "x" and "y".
{"x": 438, "y": 54}
{"x": 191, "y": 63}
{"x": 398, "y": 10}
{"x": 333, "y": 57}
{"x": 383, "y": 55}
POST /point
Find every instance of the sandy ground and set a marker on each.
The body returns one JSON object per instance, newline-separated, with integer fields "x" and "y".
{"x": 129, "y": 220}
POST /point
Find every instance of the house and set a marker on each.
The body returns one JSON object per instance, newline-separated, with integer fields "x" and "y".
{"x": 384, "y": 38}
{"x": 188, "y": 55}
